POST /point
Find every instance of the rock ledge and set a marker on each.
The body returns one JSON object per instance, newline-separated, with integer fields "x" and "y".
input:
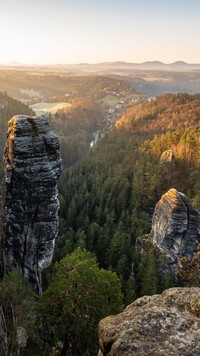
{"x": 165, "y": 324}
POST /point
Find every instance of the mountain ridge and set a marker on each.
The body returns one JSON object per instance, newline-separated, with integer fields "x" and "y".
{"x": 117, "y": 64}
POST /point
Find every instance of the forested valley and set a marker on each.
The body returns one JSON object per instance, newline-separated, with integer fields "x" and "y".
{"x": 104, "y": 258}
{"x": 108, "y": 199}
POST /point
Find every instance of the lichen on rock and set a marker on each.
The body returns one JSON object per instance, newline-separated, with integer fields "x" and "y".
{"x": 32, "y": 166}
{"x": 165, "y": 324}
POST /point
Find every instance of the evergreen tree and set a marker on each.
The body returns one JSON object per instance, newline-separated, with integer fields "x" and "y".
{"x": 148, "y": 273}
{"x": 130, "y": 290}
{"x": 79, "y": 296}
{"x": 18, "y": 304}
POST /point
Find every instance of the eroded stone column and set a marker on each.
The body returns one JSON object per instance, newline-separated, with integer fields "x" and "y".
{"x": 32, "y": 166}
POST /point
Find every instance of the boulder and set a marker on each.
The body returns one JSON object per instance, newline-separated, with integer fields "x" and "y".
{"x": 166, "y": 324}
{"x": 167, "y": 157}
{"x": 32, "y": 166}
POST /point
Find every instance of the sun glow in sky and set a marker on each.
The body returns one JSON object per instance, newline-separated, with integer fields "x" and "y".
{"x": 76, "y": 31}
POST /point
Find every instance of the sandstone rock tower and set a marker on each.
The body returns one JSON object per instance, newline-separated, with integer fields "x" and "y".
{"x": 175, "y": 227}
{"x": 32, "y": 166}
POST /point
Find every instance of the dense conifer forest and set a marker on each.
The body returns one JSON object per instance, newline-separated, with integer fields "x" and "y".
{"x": 108, "y": 199}
{"x": 75, "y": 127}
{"x": 104, "y": 258}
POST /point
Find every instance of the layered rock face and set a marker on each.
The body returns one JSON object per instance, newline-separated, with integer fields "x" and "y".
{"x": 166, "y": 324}
{"x": 32, "y": 166}
{"x": 175, "y": 227}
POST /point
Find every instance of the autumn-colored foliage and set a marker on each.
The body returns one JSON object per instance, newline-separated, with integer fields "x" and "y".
{"x": 167, "y": 112}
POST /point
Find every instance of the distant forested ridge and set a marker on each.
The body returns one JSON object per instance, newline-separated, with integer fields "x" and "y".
{"x": 56, "y": 84}
{"x": 94, "y": 86}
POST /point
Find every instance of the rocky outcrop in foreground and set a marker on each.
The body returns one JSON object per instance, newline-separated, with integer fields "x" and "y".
{"x": 175, "y": 227}
{"x": 32, "y": 166}
{"x": 166, "y": 324}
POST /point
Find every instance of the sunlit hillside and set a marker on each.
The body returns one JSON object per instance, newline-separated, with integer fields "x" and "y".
{"x": 166, "y": 112}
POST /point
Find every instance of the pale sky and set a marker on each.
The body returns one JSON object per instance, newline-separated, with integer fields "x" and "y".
{"x": 92, "y": 31}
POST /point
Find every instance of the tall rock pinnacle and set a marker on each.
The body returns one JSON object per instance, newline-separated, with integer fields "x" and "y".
{"x": 32, "y": 166}
{"x": 175, "y": 227}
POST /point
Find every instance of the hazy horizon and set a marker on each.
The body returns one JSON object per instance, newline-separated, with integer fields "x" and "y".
{"x": 63, "y": 32}
{"x": 16, "y": 63}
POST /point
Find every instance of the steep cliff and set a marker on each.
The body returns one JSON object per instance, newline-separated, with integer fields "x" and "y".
{"x": 175, "y": 227}
{"x": 32, "y": 166}
{"x": 166, "y": 324}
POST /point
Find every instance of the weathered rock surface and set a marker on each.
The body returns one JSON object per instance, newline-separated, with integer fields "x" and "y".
{"x": 175, "y": 227}
{"x": 32, "y": 166}
{"x": 167, "y": 157}
{"x": 166, "y": 324}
